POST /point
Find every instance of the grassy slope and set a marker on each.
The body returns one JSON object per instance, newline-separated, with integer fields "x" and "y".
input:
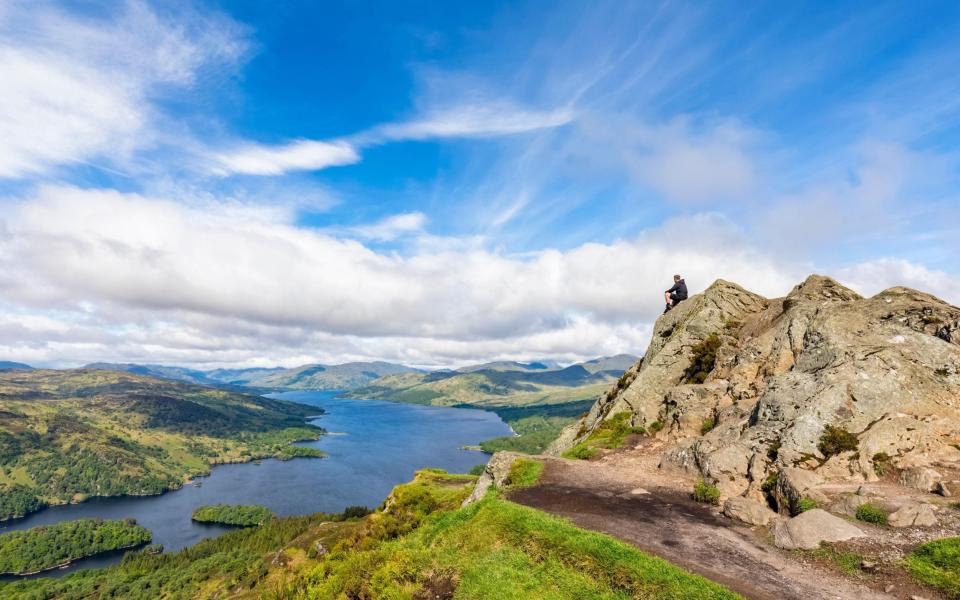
{"x": 68, "y": 435}
{"x": 422, "y": 543}
{"x": 492, "y": 549}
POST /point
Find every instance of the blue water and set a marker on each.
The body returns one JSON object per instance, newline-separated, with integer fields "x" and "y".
{"x": 373, "y": 446}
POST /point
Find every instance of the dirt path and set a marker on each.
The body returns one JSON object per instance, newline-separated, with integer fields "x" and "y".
{"x": 616, "y": 497}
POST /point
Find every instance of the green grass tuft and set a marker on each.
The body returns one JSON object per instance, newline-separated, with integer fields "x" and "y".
{"x": 580, "y": 452}
{"x": 806, "y": 504}
{"x": 706, "y": 493}
{"x": 868, "y": 513}
{"x": 937, "y": 563}
{"x": 524, "y": 473}
{"x": 707, "y": 425}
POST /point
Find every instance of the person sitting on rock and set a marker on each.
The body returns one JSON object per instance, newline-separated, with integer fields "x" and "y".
{"x": 676, "y": 294}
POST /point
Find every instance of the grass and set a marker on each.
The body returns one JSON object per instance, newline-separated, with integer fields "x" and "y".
{"x": 835, "y": 440}
{"x": 848, "y": 562}
{"x": 868, "y": 513}
{"x": 610, "y": 434}
{"x": 707, "y": 425}
{"x": 706, "y": 493}
{"x": 524, "y": 473}
{"x": 495, "y": 549}
{"x": 806, "y": 504}
{"x": 937, "y": 563}
{"x": 580, "y": 451}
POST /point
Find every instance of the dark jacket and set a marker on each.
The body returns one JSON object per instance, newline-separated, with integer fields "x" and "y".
{"x": 680, "y": 288}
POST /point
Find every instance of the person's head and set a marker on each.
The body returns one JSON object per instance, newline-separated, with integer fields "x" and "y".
{"x": 676, "y": 278}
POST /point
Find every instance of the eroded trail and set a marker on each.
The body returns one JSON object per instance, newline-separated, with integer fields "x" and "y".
{"x": 618, "y": 496}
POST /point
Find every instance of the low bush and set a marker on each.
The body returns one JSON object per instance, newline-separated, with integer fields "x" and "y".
{"x": 937, "y": 563}
{"x": 706, "y": 493}
{"x": 477, "y": 470}
{"x": 869, "y": 513}
{"x": 704, "y": 359}
{"x": 882, "y": 462}
{"x": 656, "y": 426}
{"x": 835, "y": 440}
{"x": 806, "y": 504}
{"x": 580, "y": 452}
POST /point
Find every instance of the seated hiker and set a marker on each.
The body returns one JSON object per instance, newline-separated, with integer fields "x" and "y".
{"x": 676, "y": 294}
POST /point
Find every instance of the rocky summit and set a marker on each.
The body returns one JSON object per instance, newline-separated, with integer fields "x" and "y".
{"x": 777, "y": 400}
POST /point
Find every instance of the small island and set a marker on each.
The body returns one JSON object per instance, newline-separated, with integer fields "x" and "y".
{"x": 50, "y": 546}
{"x": 233, "y": 514}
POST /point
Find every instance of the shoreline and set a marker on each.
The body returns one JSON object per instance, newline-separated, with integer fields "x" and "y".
{"x": 187, "y": 480}
{"x": 75, "y": 559}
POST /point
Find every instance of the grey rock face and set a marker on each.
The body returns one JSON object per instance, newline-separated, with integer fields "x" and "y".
{"x": 808, "y": 529}
{"x": 879, "y": 368}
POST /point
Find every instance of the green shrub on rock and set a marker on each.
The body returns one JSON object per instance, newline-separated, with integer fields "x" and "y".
{"x": 836, "y": 440}
{"x": 706, "y": 493}
{"x": 869, "y": 513}
{"x": 704, "y": 359}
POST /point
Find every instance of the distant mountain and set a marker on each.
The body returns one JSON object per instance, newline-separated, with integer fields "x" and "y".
{"x": 241, "y": 376}
{"x": 509, "y": 365}
{"x": 308, "y": 377}
{"x": 6, "y": 364}
{"x": 159, "y": 371}
{"x": 329, "y": 377}
{"x": 619, "y": 363}
{"x": 500, "y": 383}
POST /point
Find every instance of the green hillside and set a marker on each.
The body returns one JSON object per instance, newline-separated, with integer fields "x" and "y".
{"x": 68, "y": 435}
{"x": 420, "y": 545}
{"x": 328, "y": 377}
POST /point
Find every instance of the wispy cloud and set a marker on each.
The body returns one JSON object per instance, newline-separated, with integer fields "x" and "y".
{"x": 301, "y": 155}
{"x": 392, "y": 227}
{"x": 476, "y": 121}
{"x": 78, "y": 89}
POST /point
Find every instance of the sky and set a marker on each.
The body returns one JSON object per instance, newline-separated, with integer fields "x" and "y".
{"x": 245, "y": 183}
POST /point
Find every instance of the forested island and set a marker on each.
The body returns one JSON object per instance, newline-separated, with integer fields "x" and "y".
{"x": 241, "y": 515}
{"x": 50, "y": 546}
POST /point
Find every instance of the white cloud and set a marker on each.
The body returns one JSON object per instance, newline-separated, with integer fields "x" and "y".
{"x": 172, "y": 273}
{"x": 301, "y": 155}
{"x": 77, "y": 90}
{"x": 392, "y": 227}
{"x": 472, "y": 120}
{"x": 490, "y": 120}
{"x": 874, "y": 276}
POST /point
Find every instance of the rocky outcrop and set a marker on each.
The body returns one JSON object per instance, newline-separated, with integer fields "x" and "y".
{"x": 808, "y": 530}
{"x": 771, "y": 399}
{"x": 495, "y": 473}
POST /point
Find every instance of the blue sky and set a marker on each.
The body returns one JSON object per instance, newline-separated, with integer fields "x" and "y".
{"x": 255, "y": 183}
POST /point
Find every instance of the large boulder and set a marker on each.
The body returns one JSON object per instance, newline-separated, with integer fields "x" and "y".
{"x": 807, "y": 530}
{"x": 749, "y": 511}
{"x": 914, "y": 515}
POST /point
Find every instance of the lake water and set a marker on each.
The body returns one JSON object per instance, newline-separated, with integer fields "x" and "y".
{"x": 374, "y": 446}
